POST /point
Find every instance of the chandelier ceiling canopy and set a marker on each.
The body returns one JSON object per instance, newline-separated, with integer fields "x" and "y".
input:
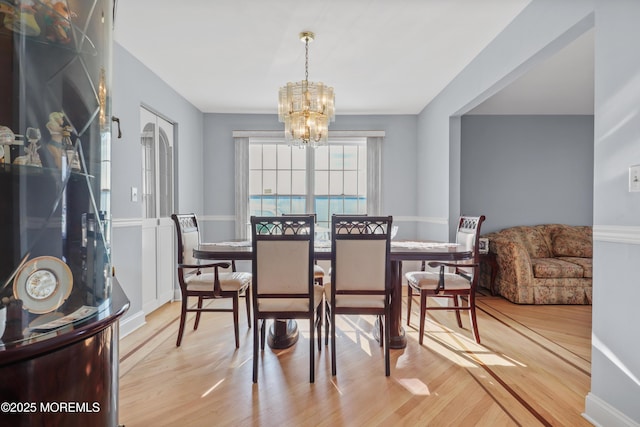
{"x": 305, "y": 107}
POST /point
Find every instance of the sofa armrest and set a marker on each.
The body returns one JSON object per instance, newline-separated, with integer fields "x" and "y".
{"x": 514, "y": 262}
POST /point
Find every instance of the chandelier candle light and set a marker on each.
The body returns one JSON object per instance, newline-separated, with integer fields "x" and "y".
{"x": 306, "y": 107}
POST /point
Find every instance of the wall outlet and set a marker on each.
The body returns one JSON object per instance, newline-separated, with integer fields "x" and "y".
{"x": 134, "y": 194}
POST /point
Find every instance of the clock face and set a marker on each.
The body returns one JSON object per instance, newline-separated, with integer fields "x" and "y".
{"x": 41, "y": 284}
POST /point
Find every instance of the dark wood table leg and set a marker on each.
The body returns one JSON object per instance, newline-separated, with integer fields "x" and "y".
{"x": 283, "y": 333}
{"x": 398, "y": 338}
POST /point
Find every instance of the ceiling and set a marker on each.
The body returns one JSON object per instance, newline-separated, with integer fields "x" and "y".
{"x": 381, "y": 57}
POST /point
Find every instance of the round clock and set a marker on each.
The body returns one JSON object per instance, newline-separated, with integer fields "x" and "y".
{"x": 43, "y": 284}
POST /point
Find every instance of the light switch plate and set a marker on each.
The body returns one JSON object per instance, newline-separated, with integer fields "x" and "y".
{"x": 134, "y": 194}
{"x": 634, "y": 178}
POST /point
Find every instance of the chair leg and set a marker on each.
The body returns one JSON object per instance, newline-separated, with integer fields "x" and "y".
{"x": 262, "y": 333}
{"x": 183, "y": 318}
{"x": 423, "y": 314}
{"x": 380, "y": 329}
{"x": 387, "y": 340}
{"x": 236, "y": 329}
{"x": 457, "y": 305}
{"x": 333, "y": 341}
{"x": 409, "y": 298}
{"x": 256, "y": 331}
{"x": 312, "y": 356}
{"x": 197, "y": 322}
{"x": 247, "y": 297}
{"x": 327, "y": 321}
{"x": 474, "y": 320}
{"x": 318, "y": 324}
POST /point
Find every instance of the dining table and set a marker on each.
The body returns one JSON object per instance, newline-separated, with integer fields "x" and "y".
{"x": 284, "y": 334}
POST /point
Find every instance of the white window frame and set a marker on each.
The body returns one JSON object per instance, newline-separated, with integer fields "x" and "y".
{"x": 242, "y": 140}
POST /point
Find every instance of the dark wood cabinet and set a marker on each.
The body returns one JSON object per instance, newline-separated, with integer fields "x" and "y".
{"x": 59, "y": 301}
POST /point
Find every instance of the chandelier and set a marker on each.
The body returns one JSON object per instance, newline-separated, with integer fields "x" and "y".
{"x": 305, "y": 107}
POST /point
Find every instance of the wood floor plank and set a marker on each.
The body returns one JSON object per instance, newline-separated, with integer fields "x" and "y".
{"x": 532, "y": 368}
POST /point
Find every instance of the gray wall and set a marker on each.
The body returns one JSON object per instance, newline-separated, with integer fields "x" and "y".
{"x": 544, "y": 27}
{"x": 615, "y": 364}
{"x": 398, "y": 171}
{"x": 135, "y": 85}
{"x": 524, "y": 170}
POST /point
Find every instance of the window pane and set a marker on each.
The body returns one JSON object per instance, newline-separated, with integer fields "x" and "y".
{"x": 335, "y": 183}
{"x": 298, "y": 182}
{"x": 335, "y": 157}
{"x": 351, "y": 205}
{"x": 336, "y": 206}
{"x": 350, "y": 182}
{"x": 322, "y": 182}
{"x": 284, "y": 182}
{"x": 268, "y": 206}
{"x": 322, "y": 210}
{"x": 298, "y": 204}
{"x": 268, "y": 156}
{"x": 268, "y": 182}
{"x": 255, "y": 205}
{"x": 322, "y": 157}
{"x": 255, "y": 156}
{"x": 284, "y": 205}
{"x": 284, "y": 156}
{"x": 255, "y": 182}
{"x": 362, "y": 157}
{"x": 351, "y": 157}
{"x": 362, "y": 183}
{"x": 298, "y": 158}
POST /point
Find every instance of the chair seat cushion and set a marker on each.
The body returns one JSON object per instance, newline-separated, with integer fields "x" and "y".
{"x": 228, "y": 281}
{"x": 290, "y": 304}
{"x": 429, "y": 281}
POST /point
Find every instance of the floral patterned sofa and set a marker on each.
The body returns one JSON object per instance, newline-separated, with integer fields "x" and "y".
{"x": 544, "y": 264}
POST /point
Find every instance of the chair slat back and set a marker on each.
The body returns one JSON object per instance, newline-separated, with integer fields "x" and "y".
{"x": 468, "y": 235}
{"x": 360, "y": 256}
{"x": 283, "y": 257}
{"x": 188, "y": 238}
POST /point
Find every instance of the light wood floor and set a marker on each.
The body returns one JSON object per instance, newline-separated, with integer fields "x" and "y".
{"x": 533, "y": 368}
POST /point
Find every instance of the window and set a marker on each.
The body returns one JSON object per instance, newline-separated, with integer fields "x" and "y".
{"x": 280, "y": 181}
{"x": 273, "y": 178}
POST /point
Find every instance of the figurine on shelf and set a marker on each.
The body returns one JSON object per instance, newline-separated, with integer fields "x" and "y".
{"x": 53, "y": 150}
{"x": 58, "y": 21}
{"x": 21, "y": 18}
{"x": 31, "y": 158}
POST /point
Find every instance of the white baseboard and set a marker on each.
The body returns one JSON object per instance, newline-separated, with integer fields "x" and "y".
{"x": 601, "y": 414}
{"x": 131, "y": 323}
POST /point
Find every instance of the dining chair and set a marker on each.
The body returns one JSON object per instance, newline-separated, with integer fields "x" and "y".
{"x": 460, "y": 279}
{"x": 322, "y": 305}
{"x": 205, "y": 280}
{"x": 283, "y": 283}
{"x": 361, "y": 274}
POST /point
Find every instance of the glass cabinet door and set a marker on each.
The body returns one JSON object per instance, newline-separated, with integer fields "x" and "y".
{"x": 55, "y": 134}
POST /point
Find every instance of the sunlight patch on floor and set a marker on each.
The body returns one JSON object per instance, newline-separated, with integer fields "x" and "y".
{"x": 415, "y": 386}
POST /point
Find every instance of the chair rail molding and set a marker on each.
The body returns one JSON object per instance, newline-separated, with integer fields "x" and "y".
{"x": 617, "y": 234}
{"x": 126, "y": 222}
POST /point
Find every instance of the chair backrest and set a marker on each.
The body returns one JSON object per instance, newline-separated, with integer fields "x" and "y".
{"x": 360, "y": 256}
{"x": 188, "y": 238}
{"x": 283, "y": 257}
{"x": 468, "y": 236}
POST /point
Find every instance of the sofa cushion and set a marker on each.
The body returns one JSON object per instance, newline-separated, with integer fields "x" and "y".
{"x": 534, "y": 242}
{"x": 585, "y": 263}
{"x": 553, "y": 268}
{"x": 572, "y": 242}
